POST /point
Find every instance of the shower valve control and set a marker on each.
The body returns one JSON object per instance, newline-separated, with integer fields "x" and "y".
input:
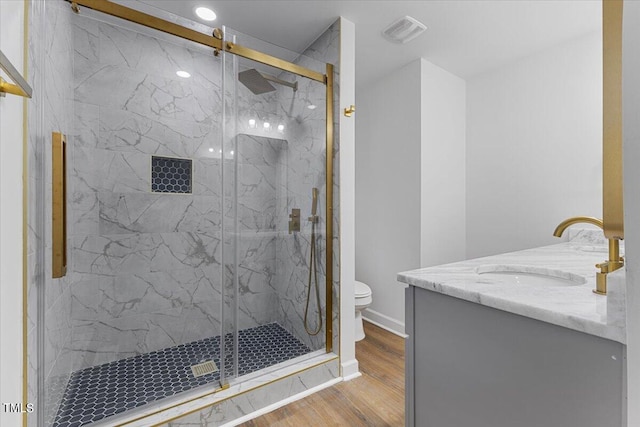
{"x": 294, "y": 222}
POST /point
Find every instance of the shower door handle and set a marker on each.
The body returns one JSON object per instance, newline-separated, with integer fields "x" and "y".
{"x": 58, "y": 205}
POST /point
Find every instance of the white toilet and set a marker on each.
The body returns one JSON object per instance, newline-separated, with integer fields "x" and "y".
{"x": 363, "y": 300}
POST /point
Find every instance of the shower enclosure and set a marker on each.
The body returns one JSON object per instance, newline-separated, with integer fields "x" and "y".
{"x": 197, "y": 190}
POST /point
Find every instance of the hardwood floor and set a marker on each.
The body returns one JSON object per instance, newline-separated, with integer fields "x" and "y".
{"x": 374, "y": 399}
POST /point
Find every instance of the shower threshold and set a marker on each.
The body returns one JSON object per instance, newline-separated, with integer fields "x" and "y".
{"x": 98, "y": 392}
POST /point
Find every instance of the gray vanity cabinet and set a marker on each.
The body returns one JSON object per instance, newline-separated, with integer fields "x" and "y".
{"x": 468, "y": 365}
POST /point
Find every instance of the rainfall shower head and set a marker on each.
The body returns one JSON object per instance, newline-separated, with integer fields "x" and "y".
{"x": 258, "y": 83}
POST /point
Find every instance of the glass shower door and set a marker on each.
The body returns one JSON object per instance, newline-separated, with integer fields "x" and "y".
{"x": 275, "y": 211}
{"x": 229, "y": 352}
{"x": 139, "y": 316}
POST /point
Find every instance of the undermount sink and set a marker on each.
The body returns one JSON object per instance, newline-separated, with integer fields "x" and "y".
{"x": 527, "y": 275}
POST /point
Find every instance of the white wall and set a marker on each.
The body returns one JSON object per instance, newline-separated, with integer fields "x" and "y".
{"x": 410, "y": 181}
{"x": 443, "y": 117}
{"x": 631, "y": 137}
{"x": 534, "y": 136}
{"x": 11, "y": 242}
{"x": 347, "y": 197}
{"x": 388, "y": 189}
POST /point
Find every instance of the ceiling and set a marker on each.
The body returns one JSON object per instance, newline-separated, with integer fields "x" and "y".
{"x": 465, "y": 37}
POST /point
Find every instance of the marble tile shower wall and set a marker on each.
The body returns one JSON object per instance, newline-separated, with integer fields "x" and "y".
{"x": 146, "y": 265}
{"x": 260, "y": 166}
{"x": 50, "y": 109}
{"x": 306, "y": 159}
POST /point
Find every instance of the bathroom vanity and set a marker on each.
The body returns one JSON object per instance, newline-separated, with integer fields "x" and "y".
{"x": 516, "y": 339}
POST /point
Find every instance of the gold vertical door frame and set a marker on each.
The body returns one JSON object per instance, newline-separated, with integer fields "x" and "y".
{"x": 59, "y": 206}
{"x": 329, "y": 218}
{"x": 612, "y": 198}
{"x": 150, "y": 21}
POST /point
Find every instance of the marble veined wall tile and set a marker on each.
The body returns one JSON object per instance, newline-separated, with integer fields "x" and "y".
{"x": 102, "y": 298}
{"x": 86, "y": 125}
{"x": 207, "y": 177}
{"x": 97, "y": 170}
{"x": 183, "y": 250}
{"x": 86, "y": 39}
{"x": 136, "y": 91}
{"x": 146, "y": 266}
{"x": 110, "y": 255}
{"x": 116, "y": 255}
{"x": 255, "y": 212}
{"x": 259, "y": 150}
{"x": 102, "y": 341}
{"x": 305, "y": 169}
{"x": 83, "y": 210}
{"x": 207, "y": 72}
{"x": 124, "y": 130}
{"x": 256, "y": 179}
{"x": 120, "y": 46}
{"x": 124, "y": 213}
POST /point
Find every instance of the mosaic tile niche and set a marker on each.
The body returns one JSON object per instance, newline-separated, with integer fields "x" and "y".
{"x": 171, "y": 175}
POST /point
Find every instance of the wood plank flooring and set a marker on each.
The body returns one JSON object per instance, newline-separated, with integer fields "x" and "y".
{"x": 376, "y": 399}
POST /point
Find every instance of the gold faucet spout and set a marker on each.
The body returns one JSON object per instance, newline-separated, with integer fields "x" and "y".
{"x": 575, "y": 220}
{"x": 615, "y": 260}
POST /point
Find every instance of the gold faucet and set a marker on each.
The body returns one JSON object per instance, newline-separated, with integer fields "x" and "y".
{"x": 615, "y": 260}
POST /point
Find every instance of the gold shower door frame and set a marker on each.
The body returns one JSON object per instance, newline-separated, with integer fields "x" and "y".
{"x": 132, "y": 15}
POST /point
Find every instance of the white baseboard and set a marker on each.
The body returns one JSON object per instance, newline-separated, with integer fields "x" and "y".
{"x": 385, "y": 322}
{"x": 350, "y": 370}
{"x": 352, "y": 376}
{"x": 281, "y": 403}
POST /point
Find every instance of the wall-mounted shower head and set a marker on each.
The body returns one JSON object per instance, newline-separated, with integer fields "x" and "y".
{"x": 258, "y": 83}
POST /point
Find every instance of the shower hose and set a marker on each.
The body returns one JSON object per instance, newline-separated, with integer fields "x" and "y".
{"x": 313, "y": 274}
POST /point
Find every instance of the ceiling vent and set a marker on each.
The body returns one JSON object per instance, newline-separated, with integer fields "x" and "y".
{"x": 404, "y": 30}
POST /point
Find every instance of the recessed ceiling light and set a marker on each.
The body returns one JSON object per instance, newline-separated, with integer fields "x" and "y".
{"x": 211, "y": 150}
{"x": 311, "y": 107}
{"x": 206, "y": 13}
{"x": 183, "y": 74}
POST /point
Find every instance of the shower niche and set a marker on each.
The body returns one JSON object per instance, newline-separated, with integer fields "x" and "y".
{"x": 184, "y": 279}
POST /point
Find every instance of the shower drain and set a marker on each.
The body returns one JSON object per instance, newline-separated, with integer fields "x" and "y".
{"x": 204, "y": 368}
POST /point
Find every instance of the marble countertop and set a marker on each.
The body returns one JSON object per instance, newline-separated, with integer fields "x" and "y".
{"x": 575, "y": 307}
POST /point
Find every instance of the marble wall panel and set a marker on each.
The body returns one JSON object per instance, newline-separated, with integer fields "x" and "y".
{"x": 305, "y": 168}
{"x": 146, "y": 266}
{"x": 124, "y": 213}
{"x": 50, "y": 109}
